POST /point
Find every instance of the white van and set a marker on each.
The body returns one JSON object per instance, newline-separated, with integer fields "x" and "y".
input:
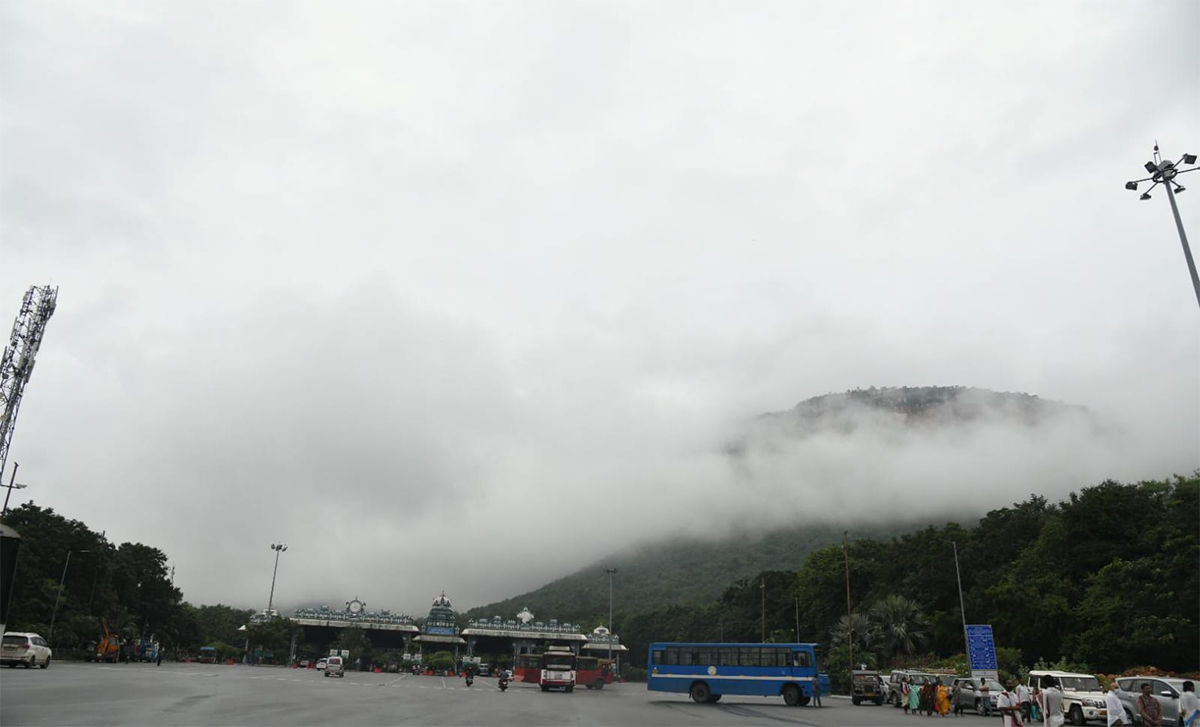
{"x": 335, "y": 667}
{"x": 1083, "y": 697}
{"x": 27, "y": 649}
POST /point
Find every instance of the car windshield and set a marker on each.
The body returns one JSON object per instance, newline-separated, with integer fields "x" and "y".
{"x": 1081, "y": 684}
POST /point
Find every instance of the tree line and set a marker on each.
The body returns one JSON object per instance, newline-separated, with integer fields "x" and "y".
{"x": 1105, "y": 580}
{"x": 128, "y": 585}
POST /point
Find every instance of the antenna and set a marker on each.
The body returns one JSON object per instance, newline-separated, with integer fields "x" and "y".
{"x": 17, "y": 365}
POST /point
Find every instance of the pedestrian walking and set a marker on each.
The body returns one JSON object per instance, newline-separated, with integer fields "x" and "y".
{"x": 1189, "y": 706}
{"x": 158, "y": 656}
{"x": 1148, "y": 707}
{"x": 1113, "y": 706}
{"x": 914, "y": 698}
{"x": 1023, "y": 697}
{"x": 904, "y": 693}
{"x": 1009, "y": 706}
{"x": 1035, "y": 704}
{"x": 956, "y": 698}
{"x": 816, "y": 692}
{"x": 1052, "y": 702}
{"x": 943, "y": 698}
{"x": 985, "y": 699}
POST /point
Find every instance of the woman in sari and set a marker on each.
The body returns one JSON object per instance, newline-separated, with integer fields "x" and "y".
{"x": 943, "y": 698}
{"x": 914, "y": 697}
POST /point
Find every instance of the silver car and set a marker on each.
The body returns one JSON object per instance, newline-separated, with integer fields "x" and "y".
{"x": 1164, "y": 689}
{"x": 970, "y": 694}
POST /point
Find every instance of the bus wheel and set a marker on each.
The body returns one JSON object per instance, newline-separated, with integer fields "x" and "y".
{"x": 545, "y": 688}
{"x": 568, "y": 690}
{"x": 713, "y": 699}
{"x": 804, "y": 701}
{"x": 598, "y": 684}
{"x": 791, "y": 695}
{"x": 700, "y": 692}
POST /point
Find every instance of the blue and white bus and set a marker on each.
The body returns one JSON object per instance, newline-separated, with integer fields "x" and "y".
{"x": 706, "y": 672}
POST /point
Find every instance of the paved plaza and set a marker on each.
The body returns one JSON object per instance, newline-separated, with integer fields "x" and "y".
{"x": 199, "y": 694}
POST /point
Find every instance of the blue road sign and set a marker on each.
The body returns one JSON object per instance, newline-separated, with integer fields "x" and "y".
{"x": 981, "y": 648}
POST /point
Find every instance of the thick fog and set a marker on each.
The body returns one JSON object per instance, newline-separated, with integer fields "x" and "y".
{"x": 463, "y": 297}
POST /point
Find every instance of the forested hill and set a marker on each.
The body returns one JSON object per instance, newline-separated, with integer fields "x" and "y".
{"x": 694, "y": 571}
{"x": 675, "y": 572}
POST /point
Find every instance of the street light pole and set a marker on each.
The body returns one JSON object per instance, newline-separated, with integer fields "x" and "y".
{"x": 62, "y": 581}
{"x": 271, "y": 600}
{"x": 12, "y": 485}
{"x": 849, "y": 613}
{"x": 962, "y": 608}
{"x": 1164, "y": 171}
{"x": 611, "y": 572}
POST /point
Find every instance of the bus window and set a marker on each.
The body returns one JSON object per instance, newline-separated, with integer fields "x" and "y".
{"x": 801, "y": 659}
{"x": 659, "y": 656}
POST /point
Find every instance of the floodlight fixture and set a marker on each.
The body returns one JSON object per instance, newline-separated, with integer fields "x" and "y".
{"x": 1164, "y": 171}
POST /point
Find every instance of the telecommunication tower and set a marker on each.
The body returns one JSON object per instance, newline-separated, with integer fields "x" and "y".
{"x": 19, "y": 356}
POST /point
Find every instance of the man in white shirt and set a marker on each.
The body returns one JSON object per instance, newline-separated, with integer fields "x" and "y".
{"x": 1024, "y": 699}
{"x": 1052, "y": 700}
{"x": 1009, "y": 706}
{"x": 1189, "y": 706}
{"x": 1112, "y": 704}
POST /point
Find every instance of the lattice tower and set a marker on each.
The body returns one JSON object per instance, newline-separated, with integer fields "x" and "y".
{"x": 19, "y": 357}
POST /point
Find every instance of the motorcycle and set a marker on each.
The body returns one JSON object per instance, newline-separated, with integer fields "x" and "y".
{"x": 503, "y": 683}
{"x": 470, "y": 680}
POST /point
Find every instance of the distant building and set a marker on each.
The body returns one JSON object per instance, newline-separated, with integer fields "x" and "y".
{"x": 441, "y": 629}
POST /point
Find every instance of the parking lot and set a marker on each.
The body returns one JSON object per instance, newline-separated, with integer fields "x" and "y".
{"x": 193, "y": 694}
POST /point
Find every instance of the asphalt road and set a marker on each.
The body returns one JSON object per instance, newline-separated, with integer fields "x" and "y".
{"x": 201, "y": 694}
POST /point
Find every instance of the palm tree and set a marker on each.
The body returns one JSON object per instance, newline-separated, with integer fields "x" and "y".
{"x": 898, "y": 626}
{"x": 860, "y": 629}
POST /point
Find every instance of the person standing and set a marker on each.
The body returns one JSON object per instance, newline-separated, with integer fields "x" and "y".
{"x": 1009, "y": 706}
{"x": 1113, "y": 706}
{"x": 943, "y": 698}
{"x": 158, "y": 656}
{"x": 1052, "y": 702}
{"x": 1189, "y": 706}
{"x": 904, "y": 693}
{"x": 1023, "y": 698}
{"x": 956, "y": 698}
{"x": 914, "y": 698}
{"x": 816, "y": 692}
{"x": 985, "y": 698}
{"x": 1148, "y": 707}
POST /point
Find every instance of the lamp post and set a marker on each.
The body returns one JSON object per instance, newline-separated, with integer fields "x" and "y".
{"x": 62, "y": 581}
{"x": 271, "y": 600}
{"x": 1163, "y": 171}
{"x": 849, "y": 613}
{"x": 12, "y": 485}
{"x": 611, "y": 572}
{"x": 961, "y": 606}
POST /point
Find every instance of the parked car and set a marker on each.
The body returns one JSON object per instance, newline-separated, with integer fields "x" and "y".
{"x": 970, "y": 694}
{"x": 1083, "y": 697}
{"x": 1164, "y": 689}
{"x": 27, "y": 649}
{"x": 334, "y": 667}
{"x": 866, "y": 686}
{"x": 895, "y": 695}
{"x": 321, "y": 663}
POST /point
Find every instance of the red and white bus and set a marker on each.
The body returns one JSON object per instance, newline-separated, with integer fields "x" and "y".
{"x": 558, "y": 671}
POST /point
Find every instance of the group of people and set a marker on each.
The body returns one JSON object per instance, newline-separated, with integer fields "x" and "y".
{"x": 1021, "y": 705}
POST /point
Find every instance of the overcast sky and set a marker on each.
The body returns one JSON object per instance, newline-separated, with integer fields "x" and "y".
{"x": 407, "y": 285}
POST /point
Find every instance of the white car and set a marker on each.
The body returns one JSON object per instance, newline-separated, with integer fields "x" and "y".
{"x": 27, "y": 649}
{"x": 1083, "y": 697}
{"x": 335, "y": 667}
{"x": 321, "y": 665}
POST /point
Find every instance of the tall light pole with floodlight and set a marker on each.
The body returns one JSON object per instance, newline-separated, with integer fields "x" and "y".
{"x": 12, "y": 485}
{"x": 611, "y": 572}
{"x": 1163, "y": 171}
{"x": 271, "y": 600}
{"x": 62, "y": 582}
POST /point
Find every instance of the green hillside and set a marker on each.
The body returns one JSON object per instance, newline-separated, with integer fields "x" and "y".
{"x": 675, "y": 572}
